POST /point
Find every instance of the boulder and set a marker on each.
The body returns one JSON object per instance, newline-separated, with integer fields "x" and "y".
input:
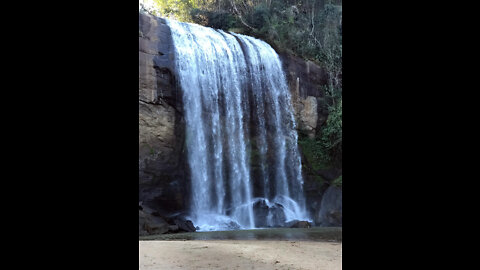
{"x": 298, "y": 224}
{"x": 268, "y": 216}
{"x": 184, "y": 225}
{"x": 150, "y": 224}
{"x": 330, "y": 214}
{"x": 278, "y": 217}
{"x": 232, "y": 225}
{"x": 260, "y": 211}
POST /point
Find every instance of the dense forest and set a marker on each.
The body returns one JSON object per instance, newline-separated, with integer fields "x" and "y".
{"x": 310, "y": 29}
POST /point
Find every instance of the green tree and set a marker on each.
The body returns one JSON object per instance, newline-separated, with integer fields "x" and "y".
{"x": 179, "y": 9}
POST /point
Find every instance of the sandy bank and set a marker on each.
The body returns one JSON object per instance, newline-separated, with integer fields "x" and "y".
{"x": 240, "y": 254}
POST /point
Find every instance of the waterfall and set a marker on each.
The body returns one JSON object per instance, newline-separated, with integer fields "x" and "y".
{"x": 241, "y": 138}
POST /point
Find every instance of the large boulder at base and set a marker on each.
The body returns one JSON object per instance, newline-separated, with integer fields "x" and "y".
{"x": 184, "y": 225}
{"x": 330, "y": 214}
{"x": 298, "y": 224}
{"x": 181, "y": 224}
{"x": 173, "y": 229}
{"x": 277, "y": 218}
{"x": 268, "y": 216}
{"x": 150, "y": 224}
{"x": 260, "y": 211}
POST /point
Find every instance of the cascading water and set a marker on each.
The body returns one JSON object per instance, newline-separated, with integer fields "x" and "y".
{"x": 240, "y": 130}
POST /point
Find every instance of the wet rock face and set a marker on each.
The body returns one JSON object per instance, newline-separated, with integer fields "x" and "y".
{"x": 268, "y": 216}
{"x": 277, "y": 216}
{"x": 260, "y": 210}
{"x": 156, "y": 61}
{"x": 306, "y": 81}
{"x": 311, "y": 76}
{"x": 162, "y": 184}
{"x": 330, "y": 213}
{"x": 308, "y": 116}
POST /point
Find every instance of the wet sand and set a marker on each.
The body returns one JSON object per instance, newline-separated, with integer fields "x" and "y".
{"x": 240, "y": 254}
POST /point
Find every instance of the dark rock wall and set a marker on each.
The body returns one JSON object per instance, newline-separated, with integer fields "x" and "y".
{"x": 162, "y": 184}
{"x": 306, "y": 80}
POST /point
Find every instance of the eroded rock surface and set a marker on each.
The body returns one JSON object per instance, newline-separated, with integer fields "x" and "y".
{"x": 307, "y": 121}
{"x": 162, "y": 184}
{"x": 306, "y": 81}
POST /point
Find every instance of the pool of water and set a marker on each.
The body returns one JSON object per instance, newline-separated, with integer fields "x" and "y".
{"x": 310, "y": 234}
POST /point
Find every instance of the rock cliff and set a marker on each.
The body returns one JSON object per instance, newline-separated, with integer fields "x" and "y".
{"x": 162, "y": 183}
{"x": 163, "y": 172}
{"x": 306, "y": 80}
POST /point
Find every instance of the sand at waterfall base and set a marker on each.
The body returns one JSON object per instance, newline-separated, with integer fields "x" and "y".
{"x": 240, "y": 254}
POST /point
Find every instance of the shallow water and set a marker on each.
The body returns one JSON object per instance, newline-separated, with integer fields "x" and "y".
{"x": 310, "y": 234}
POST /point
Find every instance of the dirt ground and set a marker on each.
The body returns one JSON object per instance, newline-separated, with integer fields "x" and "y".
{"x": 240, "y": 254}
